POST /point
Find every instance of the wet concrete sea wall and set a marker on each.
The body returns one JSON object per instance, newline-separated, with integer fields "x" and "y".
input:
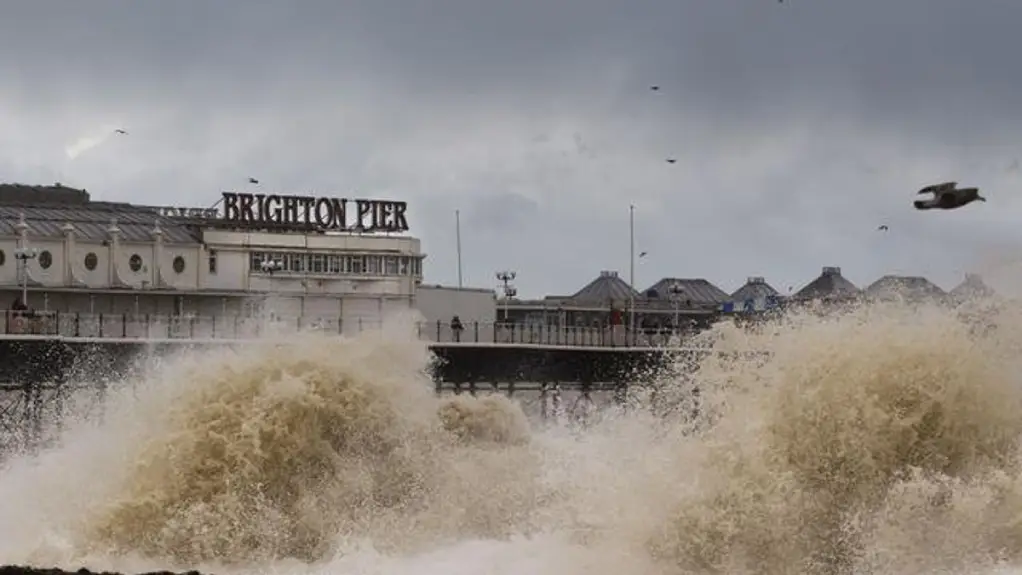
{"x": 19, "y": 570}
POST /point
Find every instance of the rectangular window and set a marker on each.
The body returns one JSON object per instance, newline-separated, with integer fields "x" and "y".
{"x": 391, "y": 265}
{"x": 373, "y": 265}
{"x": 257, "y": 261}
{"x": 298, "y": 263}
{"x": 357, "y": 264}
{"x": 403, "y": 268}
{"x": 212, "y": 261}
{"x": 334, "y": 264}
{"x": 318, "y": 263}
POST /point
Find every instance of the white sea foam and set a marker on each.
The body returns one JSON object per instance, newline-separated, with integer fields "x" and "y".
{"x": 883, "y": 440}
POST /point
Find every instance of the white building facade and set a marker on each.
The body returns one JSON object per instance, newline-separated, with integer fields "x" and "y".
{"x": 280, "y": 259}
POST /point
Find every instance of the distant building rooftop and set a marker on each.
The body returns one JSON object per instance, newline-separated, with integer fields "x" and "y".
{"x": 830, "y": 284}
{"x": 24, "y": 194}
{"x": 605, "y": 289}
{"x": 755, "y": 288}
{"x": 908, "y": 287}
{"x": 46, "y": 209}
{"x": 693, "y": 291}
{"x": 972, "y": 287}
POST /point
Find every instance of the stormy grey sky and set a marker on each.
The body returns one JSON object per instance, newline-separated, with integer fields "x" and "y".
{"x": 798, "y": 127}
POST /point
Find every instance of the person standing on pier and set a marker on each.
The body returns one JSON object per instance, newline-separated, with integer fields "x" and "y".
{"x": 456, "y": 328}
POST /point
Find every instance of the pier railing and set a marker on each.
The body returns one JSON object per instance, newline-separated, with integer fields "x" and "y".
{"x": 196, "y": 327}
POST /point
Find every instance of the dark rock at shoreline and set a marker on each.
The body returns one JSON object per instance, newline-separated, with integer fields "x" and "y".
{"x": 19, "y": 570}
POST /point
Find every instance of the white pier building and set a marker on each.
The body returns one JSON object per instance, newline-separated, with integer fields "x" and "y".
{"x": 340, "y": 264}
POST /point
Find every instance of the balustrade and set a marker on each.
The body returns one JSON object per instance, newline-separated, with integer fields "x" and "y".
{"x": 195, "y": 327}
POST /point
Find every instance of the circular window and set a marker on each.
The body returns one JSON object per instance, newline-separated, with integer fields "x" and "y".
{"x": 179, "y": 264}
{"x": 45, "y": 259}
{"x": 91, "y": 261}
{"x": 135, "y": 262}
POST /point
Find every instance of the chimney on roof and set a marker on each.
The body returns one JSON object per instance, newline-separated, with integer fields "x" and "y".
{"x": 831, "y": 271}
{"x": 756, "y": 280}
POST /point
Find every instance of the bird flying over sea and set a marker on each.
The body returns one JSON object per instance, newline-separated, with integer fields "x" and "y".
{"x": 947, "y": 196}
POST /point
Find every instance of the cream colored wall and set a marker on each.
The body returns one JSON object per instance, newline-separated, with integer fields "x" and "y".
{"x": 234, "y": 253}
{"x": 9, "y": 267}
{"x": 141, "y": 303}
{"x": 354, "y": 300}
{"x": 98, "y": 277}
{"x": 441, "y": 303}
{"x": 146, "y": 275}
{"x": 190, "y": 277}
{"x": 54, "y": 275}
{"x": 231, "y": 268}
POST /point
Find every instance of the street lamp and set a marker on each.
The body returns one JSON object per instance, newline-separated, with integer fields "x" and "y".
{"x": 631, "y": 265}
{"x": 676, "y": 291}
{"x": 23, "y": 255}
{"x": 268, "y": 266}
{"x": 510, "y": 291}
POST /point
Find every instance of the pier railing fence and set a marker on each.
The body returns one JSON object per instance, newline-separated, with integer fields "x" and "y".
{"x": 196, "y": 327}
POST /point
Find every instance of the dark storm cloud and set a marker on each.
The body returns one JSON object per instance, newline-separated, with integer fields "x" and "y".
{"x": 798, "y": 127}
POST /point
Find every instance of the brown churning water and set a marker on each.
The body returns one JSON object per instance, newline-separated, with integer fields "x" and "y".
{"x": 883, "y": 440}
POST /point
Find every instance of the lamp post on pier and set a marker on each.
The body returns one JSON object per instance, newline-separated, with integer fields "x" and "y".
{"x": 23, "y": 255}
{"x": 510, "y": 291}
{"x": 676, "y": 293}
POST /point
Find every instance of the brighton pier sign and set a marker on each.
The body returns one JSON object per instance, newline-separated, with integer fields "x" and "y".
{"x": 196, "y": 213}
{"x": 332, "y": 214}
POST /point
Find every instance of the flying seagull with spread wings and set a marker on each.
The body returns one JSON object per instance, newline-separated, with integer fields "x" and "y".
{"x": 947, "y": 196}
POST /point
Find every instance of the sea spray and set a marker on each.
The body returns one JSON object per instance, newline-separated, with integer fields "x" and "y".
{"x": 881, "y": 439}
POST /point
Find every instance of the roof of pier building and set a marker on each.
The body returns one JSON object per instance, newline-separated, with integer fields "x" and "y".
{"x": 909, "y": 287}
{"x": 47, "y": 209}
{"x": 830, "y": 284}
{"x": 692, "y": 291}
{"x": 972, "y": 287}
{"x": 605, "y": 288}
{"x": 756, "y": 287}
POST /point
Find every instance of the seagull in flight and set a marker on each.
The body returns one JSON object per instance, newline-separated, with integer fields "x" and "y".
{"x": 947, "y": 196}
{"x": 120, "y": 131}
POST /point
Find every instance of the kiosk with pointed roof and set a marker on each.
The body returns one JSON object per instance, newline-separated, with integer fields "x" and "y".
{"x": 606, "y": 289}
{"x": 830, "y": 285}
{"x": 973, "y": 287}
{"x": 905, "y": 288}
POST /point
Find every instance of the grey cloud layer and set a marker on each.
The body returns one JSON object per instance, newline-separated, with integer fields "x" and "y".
{"x": 798, "y": 127}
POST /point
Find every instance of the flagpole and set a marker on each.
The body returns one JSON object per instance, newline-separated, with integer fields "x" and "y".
{"x": 457, "y": 233}
{"x": 631, "y": 261}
